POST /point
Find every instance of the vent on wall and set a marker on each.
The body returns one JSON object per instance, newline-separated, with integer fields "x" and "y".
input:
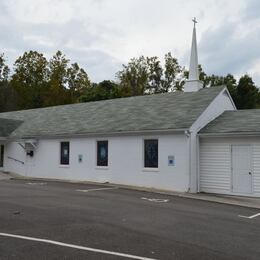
{"x": 29, "y": 145}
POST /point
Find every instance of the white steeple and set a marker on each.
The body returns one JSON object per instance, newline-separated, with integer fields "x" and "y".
{"x": 193, "y": 83}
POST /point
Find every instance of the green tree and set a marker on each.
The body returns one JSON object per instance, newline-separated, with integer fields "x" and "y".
{"x": 104, "y": 90}
{"x": 78, "y": 81}
{"x": 29, "y": 79}
{"x": 8, "y": 97}
{"x": 58, "y": 91}
{"x": 7, "y": 93}
{"x": 247, "y": 93}
{"x": 164, "y": 79}
{"x": 4, "y": 69}
{"x": 134, "y": 76}
{"x": 214, "y": 80}
{"x": 155, "y": 73}
{"x": 227, "y": 80}
{"x": 173, "y": 74}
{"x": 146, "y": 75}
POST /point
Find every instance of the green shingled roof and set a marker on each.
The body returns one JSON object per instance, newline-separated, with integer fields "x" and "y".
{"x": 237, "y": 121}
{"x": 7, "y": 126}
{"x": 169, "y": 111}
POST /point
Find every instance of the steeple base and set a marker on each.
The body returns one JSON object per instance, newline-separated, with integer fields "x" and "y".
{"x": 192, "y": 85}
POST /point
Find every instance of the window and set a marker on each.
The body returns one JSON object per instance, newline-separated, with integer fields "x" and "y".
{"x": 151, "y": 153}
{"x": 102, "y": 153}
{"x": 64, "y": 153}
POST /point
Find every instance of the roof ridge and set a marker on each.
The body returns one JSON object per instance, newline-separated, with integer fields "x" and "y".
{"x": 94, "y": 101}
{"x": 114, "y": 100}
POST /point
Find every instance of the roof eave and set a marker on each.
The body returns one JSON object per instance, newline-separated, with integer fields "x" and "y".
{"x": 119, "y": 133}
{"x": 229, "y": 134}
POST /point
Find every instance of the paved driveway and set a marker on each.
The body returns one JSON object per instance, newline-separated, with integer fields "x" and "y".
{"x": 51, "y": 220}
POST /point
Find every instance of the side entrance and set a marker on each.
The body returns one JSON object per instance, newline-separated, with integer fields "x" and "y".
{"x": 242, "y": 169}
{"x": 2, "y": 156}
{"x": 230, "y": 166}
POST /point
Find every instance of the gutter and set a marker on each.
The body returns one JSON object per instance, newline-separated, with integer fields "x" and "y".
{"x": 232, "y": 134}
{"x": 123, "y": 133}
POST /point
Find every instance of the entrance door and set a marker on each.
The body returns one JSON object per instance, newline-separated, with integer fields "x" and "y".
{"x": 241, "y": 165}
{"x": 1, "y": 156}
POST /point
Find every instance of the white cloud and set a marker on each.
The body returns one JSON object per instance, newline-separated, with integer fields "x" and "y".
{"x": 41, "y": 11}
{"x": 102, "y": 34}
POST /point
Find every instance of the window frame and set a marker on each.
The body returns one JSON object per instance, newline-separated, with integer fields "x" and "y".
{"x": 97, "y": 154}
{"x": 66, "y": 163}
{"x": 150, "y": 167}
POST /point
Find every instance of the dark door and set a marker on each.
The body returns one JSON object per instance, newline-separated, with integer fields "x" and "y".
{"x": 2, "y": 156}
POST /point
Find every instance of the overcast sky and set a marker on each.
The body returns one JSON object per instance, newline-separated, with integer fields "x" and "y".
{"x": 102, "y": 34}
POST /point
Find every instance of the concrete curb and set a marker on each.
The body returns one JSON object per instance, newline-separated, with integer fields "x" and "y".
{"x": 5, "y": 176}
{"x": 215, "y": 198}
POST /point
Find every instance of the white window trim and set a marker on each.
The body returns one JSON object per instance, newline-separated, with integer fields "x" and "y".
{"x": 64, "y": 165}
{"x": 149, "y": 169}
{"x": 102, "y": 168}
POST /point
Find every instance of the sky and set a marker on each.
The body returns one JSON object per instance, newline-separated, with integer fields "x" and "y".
{"x": 101, "y": 35}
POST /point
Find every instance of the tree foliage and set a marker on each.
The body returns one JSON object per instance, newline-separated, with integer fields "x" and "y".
{"x": 57, "y": 80}
{"x": 247, "y": 94}
{"x": 39, "y": 82}
{"x": 78, "y": 81}
{"x": 173, "y": 74}
{"x": 134, "y": 76}
{"x": 4, "y": 69}
{"x": 106, "y": 89}
{"x": 146, "y": 75}
{"x": 29, "y": 79}
{"x": 7, "y": 94}
{"x": 244, "y": 93}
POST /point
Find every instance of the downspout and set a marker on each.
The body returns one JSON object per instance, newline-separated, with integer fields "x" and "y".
{"x": 188, "y": 135}
{"x": 198, "y": 163}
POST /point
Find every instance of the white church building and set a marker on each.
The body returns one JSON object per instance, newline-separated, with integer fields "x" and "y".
{"x": 190, "y": 141}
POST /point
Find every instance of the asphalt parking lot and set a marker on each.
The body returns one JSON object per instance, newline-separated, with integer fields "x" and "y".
{"x": 53, "y": 220}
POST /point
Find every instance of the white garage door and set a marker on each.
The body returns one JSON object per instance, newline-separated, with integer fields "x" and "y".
{"x": 215, "y": 167}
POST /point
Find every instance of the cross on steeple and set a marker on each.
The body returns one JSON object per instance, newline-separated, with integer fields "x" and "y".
{"x": 194, "y": 20}
{"x": 193, "y": 83}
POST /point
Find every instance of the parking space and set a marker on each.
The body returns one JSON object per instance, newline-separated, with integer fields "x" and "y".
{"x": 55, "y": 220}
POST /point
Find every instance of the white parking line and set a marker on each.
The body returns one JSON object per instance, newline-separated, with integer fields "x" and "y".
{"x": 36, "y": 183}
{"x": 96, "y": 189}
{"x": 250, "y": 217}
{"x": 155, "y": 200}
{"x": 47, "y": 241}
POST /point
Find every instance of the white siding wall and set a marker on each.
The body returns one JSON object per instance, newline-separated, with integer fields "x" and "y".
{"x": 215, "y": 164}
{"x": 220, "y": 104}
{"x": 15, "y": 151}
{"x": 125, "y": 161}
{"x": 256, "y": 168}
